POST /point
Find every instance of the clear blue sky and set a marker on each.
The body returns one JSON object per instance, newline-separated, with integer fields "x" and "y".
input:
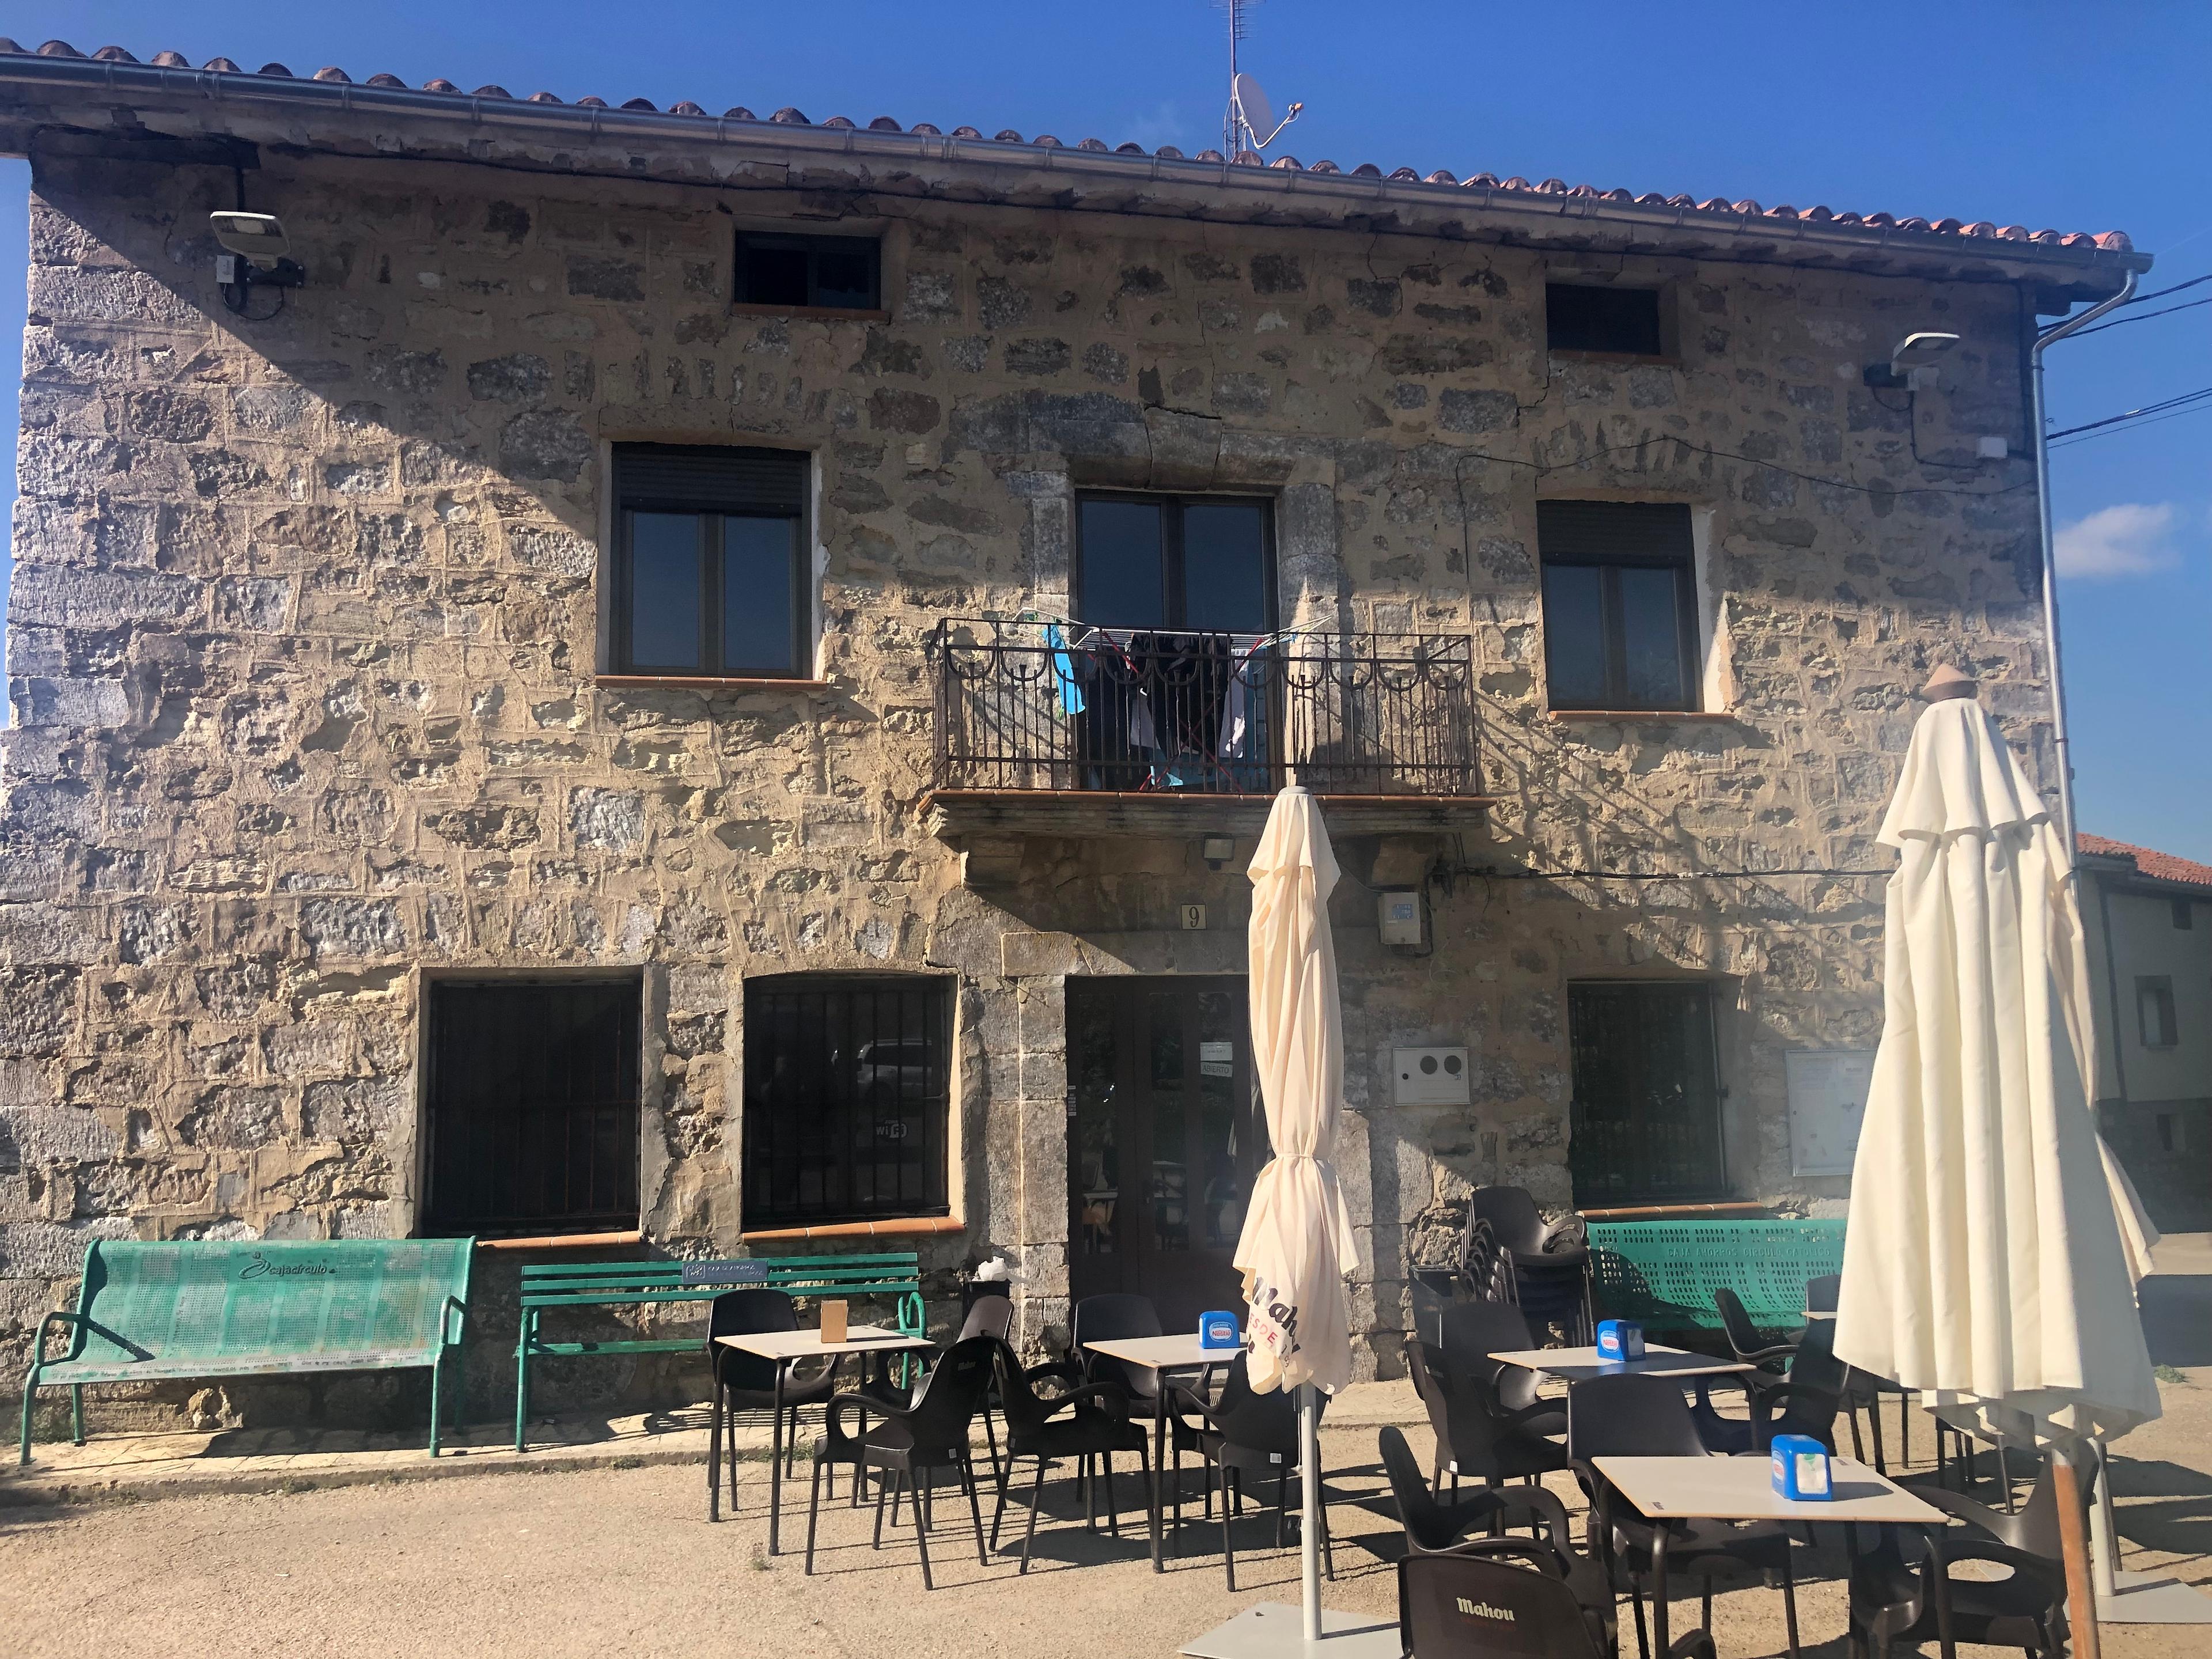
{"x": 2081, "y": 117}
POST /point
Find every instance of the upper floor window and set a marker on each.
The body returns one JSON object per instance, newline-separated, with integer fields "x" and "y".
{"x": 2183, "y": 915}
{"x": 830, "y": 273}
{"x": 1205, "y": 563}
{"x": 1620, "y": 628}
{"x": 2154, "y": 1007}
{"x": 1620, "y": 321}
{"x": 847, "y": 1085}
{"x": 711, "y": 572}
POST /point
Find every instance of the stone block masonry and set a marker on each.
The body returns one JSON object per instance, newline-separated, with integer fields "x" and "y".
{"x": 306, "y": 630}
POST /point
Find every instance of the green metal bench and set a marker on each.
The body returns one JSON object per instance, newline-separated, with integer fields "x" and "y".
{"x": 896, "y": 1275}
{"x": 1665, "y": 1272}
{"x": 148, "y": 1311}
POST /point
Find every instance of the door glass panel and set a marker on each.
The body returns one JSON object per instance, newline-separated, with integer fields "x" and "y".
{"x": 1096, "y": 1146}
{"x": 1124, "y": 580}
{"x": 664, "y": 590}
{"x": 1170, "y": 1194}
{"x": 1574, "y": 636}
{"x": 757, "y": 601}
{"x": 1651, "y": 636}
{"x": 1224, "y": 568}
{"x": 1224, "y": 1120}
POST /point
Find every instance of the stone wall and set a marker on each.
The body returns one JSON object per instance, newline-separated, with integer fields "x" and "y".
{"x": 305, "y": 621}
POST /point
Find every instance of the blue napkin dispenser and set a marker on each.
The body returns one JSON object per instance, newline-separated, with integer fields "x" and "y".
{"x": 1619, "y": 1339}
{"x": 1800, "y": 1467}
{"x": 1219, "y": 1330}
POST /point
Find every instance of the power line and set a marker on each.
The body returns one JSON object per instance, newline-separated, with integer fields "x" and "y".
{"x": 2159, "y": 294}
{"x": 2189, "y": 305}
{"x": 2132, "y": 415}
{"x": 2115, "y": 431}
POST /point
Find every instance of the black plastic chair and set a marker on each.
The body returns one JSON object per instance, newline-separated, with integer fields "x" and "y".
{"x": 1550, "y": 1265}
{"x": 912, "y": 1445}
{"x": 1893, "y": 1603}
{"x": 1642, "y": 1415}
{"x": 1747, "y": 1341}
{"x": 1483, "y": 1601}
{"x": 1110, "y": 1318}
{"x": 1805, "y": 1401}
{"x": 746, "y": 1381}
{"x": 1095, "y": 1424}
{"x": 1242, "y": 1432}
{"x": 1490, "y": 1425}
{"x": 1862, "y": 1393}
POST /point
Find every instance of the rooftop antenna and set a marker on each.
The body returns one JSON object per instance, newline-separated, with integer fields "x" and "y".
{"x": 1249, "y": 114}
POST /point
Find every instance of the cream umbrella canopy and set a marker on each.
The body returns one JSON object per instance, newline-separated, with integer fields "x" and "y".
{"x": 1983, "y": 1265}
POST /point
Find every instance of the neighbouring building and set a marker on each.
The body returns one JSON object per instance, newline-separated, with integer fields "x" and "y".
{"x": 2148, "y": 919}
{"x": 708, "y": 681}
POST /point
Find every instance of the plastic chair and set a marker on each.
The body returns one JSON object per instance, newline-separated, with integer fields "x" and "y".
{"x": 1862, "y": 1393}
{"x": 1549, "y": 1265}
{"x": 1747, "y": 1341}
{"x": 1105, "y": 1319}
{"x": 1244, "y": 1433}
{"x": 1483, "y": 1601}
{"x": 1095, "y": 1425}
{"x": 1891, "y": 1601}
{"x": 911, "y": 1445}
{"x": 746, "y": 1380}
{"x": 1642, "y": 1415}
{"x": 1489, "y": 1423}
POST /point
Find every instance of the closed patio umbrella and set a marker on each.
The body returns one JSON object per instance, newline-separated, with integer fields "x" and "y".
{"x": 1984, "y": 1267}
{"x": 1296, "y": 1245}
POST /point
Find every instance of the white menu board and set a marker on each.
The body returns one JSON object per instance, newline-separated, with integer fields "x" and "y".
{"x": 1827, "y": 1103}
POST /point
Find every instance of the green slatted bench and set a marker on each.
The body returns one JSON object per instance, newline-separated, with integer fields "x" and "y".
{"x": 895, "y": 1274}
{"x": 150, "y": 1311}
{"x": 1665, "y": 1272}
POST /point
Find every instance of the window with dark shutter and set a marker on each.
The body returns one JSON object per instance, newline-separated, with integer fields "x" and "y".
{"x": 711, "y": 574}
{"x": 1623, "y": 322}
{"x": 532, "y": 1087}
{"x": 848, "y": 1086}
{"x": 2154, "y": 1008}
{"x": 1644, "y": 1122}
{"x": 1620, "y": 628}
{"x": 800, "y": 273}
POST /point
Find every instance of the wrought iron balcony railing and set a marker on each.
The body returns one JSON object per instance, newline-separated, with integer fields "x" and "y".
{"x": 1046, "y": 706}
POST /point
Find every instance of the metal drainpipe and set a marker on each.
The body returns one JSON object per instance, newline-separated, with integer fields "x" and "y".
{"x": 2050, "y": 337}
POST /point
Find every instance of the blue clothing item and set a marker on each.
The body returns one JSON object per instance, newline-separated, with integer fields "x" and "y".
{"x": 1063, "y": 671}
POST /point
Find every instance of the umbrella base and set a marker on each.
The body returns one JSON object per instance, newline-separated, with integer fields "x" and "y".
{"x": 1271, "y": 1630}
{"x": 2143, "y": 1598}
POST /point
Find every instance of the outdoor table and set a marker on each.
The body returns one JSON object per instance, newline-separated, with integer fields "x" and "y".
{"x": 1668, "y": 1489}
{"x": 1160, "y": 1355}
{"x": 1579, "y": 1365}
{"x": 785, "y": 1347}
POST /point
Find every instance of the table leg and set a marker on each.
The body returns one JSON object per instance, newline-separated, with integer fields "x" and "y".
{"x": 775, "y": 1458}
{"x": 715, "y": 1455}
{"x": 1159, "y": 1463}
{"x": 1659, "y": 1533}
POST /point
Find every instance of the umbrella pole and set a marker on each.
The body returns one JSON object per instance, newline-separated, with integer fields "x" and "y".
{"x": 1309, "y": 1530}
{"x": 2074, "y": 1544}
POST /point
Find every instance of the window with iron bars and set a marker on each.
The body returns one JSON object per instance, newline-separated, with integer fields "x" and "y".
{"x": 848, "y": 1085}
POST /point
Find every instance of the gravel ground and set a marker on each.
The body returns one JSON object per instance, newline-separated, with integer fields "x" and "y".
{"x": 623, "y": 1562}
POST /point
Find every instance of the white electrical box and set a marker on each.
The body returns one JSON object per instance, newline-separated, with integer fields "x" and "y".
{"x": 1429, "y": 1077}
{"x": 1399, "y": 917}
{"x": 1992, "y": 449}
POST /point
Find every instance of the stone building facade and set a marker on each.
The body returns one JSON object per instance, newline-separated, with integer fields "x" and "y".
{"x": 309, "y": 641}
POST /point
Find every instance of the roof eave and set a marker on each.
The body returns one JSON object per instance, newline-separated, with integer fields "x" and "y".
{"x": 37, "y": 92}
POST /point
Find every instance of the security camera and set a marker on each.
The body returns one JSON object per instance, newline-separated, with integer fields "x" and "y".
{"x": 1913, "y": 364}
{"x": 257, "y": 248}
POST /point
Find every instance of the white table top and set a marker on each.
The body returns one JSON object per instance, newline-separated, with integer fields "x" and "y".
{"x": 801, "y": 1345}
{"x": 1575, "y": 1364}
{"x": 1163, "y": 1353}
{"x": 1742, "y": 1489}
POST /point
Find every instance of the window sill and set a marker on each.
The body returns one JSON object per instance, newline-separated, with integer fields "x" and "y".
{"x": 1641, "y": 714}
{"x": 1632, "y": 359}
{"x": 1738, "y": 1211}
{"x": 812, "y": 313}
{"x": 915, "y": 1227}
{"x": 564, "y": 1241}
{"x": 707, "y": 682}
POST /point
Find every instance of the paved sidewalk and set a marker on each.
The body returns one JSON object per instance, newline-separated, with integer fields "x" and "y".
{"x": 127, "y": 1467}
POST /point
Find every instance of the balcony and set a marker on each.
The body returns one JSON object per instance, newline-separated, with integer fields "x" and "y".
{"x": 1047, "y": 728}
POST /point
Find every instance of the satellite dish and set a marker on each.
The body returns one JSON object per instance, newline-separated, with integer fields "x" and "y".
{"x": 1252, "y": 104}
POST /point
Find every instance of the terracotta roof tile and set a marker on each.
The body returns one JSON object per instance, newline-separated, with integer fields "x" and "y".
{"x": 2111, "y": 240}
{"x": 2161, "y": 866}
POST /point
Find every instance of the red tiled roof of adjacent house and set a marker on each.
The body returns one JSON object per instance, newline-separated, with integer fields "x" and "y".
{"x": 2111, "y": 240}
{"x": 2161, "y": 866}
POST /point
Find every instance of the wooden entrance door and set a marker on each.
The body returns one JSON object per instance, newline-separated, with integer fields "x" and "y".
{"x": 1165, "y": 1136}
